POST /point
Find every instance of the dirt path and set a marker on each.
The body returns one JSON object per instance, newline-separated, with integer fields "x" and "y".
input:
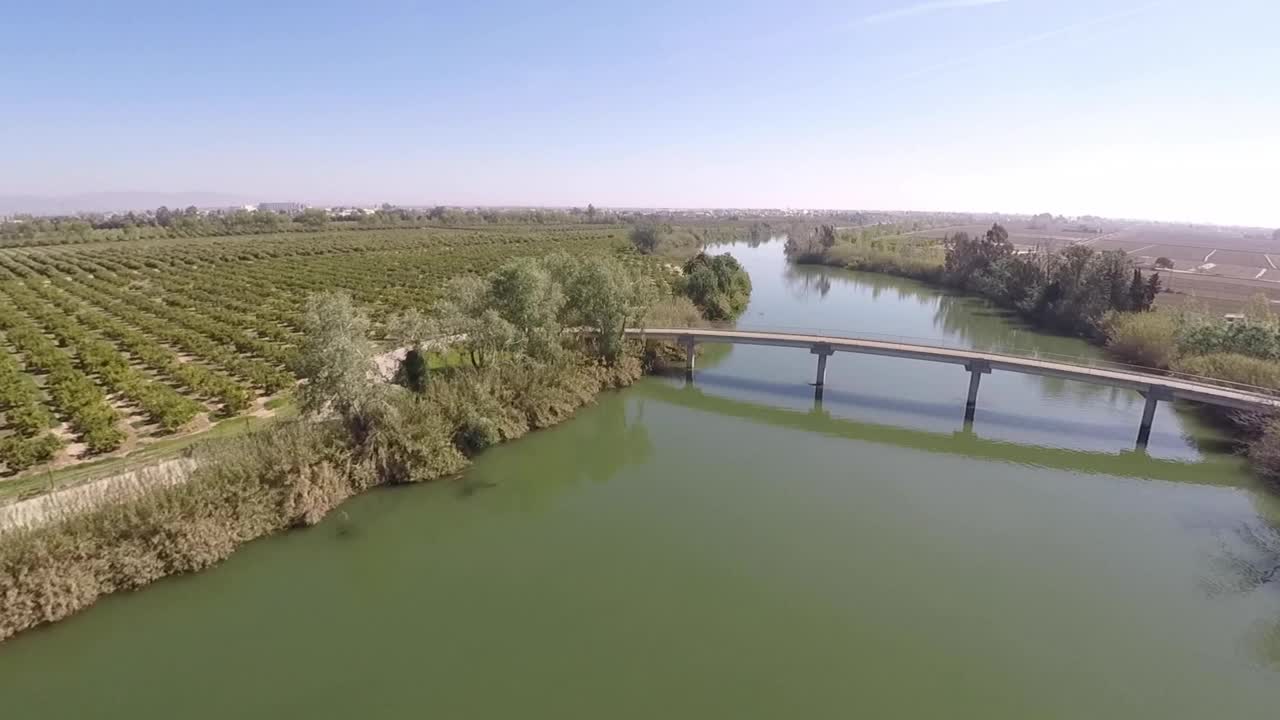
{"x": 107, "y": 488}
{"x": 81, "y": 498}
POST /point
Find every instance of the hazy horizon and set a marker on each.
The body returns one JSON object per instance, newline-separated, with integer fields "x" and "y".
{"x": 95, "y": 202}
{"x": 1162, "y": 110}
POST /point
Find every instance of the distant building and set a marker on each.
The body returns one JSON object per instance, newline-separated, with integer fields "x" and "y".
{"x": 229, "y": 210}
{"x": 282, "y": 207}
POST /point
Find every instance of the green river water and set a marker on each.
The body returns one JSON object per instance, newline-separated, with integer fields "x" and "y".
{"x": 727, "y": 549}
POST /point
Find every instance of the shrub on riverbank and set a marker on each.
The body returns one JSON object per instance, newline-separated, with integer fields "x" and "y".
{"x": 1147, "y": 339}
{"x": 673, "y": 312}
{"x": 1069, "y": 290}
{"x": 1232, "y": 367}
{"x": 919, "y": 265}
{"x": 718, "y": 285}
{"x": 866, "y": 251}
{"x": 1248, "y": 336}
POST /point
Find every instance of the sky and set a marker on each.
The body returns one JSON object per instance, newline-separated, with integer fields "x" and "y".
{"x": 1158, "y": 109}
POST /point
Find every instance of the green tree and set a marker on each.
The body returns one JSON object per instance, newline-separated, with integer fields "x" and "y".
{"x": 603, "y": 295}
{"x": 415, "y": 371}
{"x": 645, "y": 238}
{"x": 313, "y": 219}
{"x": 336, "y": 361}
{"x": 524, "y": 294}
{"x": 717, "y": 285}
{"x": 969, "y": 258}
{"x": 414, "y": 331}
{"x": 827, "y": 236}
{"x": 1153, "y": 289}
{"x": 1137, "y": 292}
{"x": 1164, "y": 262}
{"x": 466, "y": 321}
{"x": 80, "y": 229}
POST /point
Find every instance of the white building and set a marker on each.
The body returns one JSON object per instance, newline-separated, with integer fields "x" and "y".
{"x": 282, "y": 207}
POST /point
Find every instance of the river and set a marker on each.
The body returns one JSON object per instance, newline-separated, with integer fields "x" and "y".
{"x": 729, "y": 549}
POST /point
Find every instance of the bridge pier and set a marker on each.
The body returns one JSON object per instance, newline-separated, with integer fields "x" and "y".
{"x": 1153, "y": 395}
{"x": 689, "y": 351}
{"x": 976, "y": 368}
{"x": 823, "y": 351}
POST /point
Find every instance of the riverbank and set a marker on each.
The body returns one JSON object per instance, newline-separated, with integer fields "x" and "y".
{"x": 288, "y": 475}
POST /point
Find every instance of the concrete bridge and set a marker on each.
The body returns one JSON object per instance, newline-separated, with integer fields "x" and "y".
{"x": 1153, "y": 387}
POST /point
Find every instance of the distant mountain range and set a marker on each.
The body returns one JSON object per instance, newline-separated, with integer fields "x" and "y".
{"x": 113, "y": 201}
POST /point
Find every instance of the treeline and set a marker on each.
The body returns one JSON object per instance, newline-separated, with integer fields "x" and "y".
{"x": 192, "y": 222}
{"x": 161, "y": 222}
{"x": 1070, "y": 290}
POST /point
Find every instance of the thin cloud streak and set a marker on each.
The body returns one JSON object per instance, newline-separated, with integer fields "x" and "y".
{"x": 1030, "y": 40}
{"x": 926, "y": 8}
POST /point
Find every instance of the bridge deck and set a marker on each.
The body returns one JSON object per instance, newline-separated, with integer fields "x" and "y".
{"x": 1179, "y": 388}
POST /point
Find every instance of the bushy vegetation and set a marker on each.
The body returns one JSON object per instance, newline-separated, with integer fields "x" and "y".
{"x": 682, "y": 241}
{"x": 1071, "y": 290}
{"x": 673, "y": 312}
{"x": 1147, "y": 339}
{"x": 1200, "y": 343}
{"x": 191, "y": 222}
{"x": 717, "y": 285}
{"x": 1232, "y": 367}
{"x": 913, "y": 260}
{"x": 1251, "y": 336}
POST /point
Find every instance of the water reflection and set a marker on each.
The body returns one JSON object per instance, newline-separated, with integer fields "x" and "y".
{"x": 1249, "y": 555}
{"x": 592, "y": 450}
{"x": 1218, "y": 471}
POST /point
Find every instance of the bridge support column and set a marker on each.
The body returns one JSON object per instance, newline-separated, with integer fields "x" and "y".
{"x": 1153, "y": 395}
{"x": 690, "y": 354}
{"x": 976, "y": 368}
{"x": 823, "y": 351}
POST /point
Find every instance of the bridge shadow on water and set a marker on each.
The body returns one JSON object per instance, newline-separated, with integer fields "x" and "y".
{"x": 961, "y": 441}
{"x": 932, "y": 410}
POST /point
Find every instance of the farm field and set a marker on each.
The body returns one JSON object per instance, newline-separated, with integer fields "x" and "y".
{"x": 1215, "y": 266}
{"x": 107, "y": 348}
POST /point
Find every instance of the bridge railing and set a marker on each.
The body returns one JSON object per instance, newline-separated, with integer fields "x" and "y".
{"x": 996, "y": 348}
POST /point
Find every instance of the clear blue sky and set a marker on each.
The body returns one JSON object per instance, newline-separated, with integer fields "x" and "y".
{"x": 1169, "y": 110}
